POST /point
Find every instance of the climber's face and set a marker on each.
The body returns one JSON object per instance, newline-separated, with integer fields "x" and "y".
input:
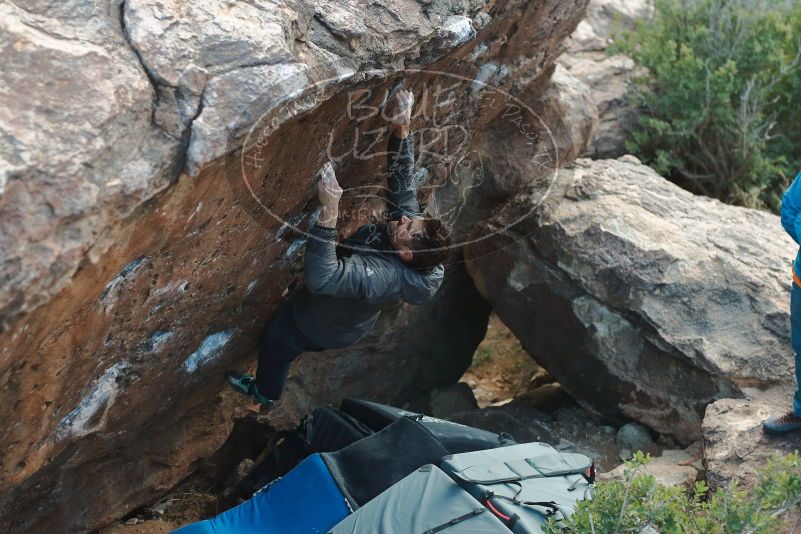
{"x": 402, "y": 234}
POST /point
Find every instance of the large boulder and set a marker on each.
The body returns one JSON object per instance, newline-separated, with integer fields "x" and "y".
{"x": 516, "y": 155}
{"x": 644, "y": 301}
{"x": 152, "y": 218}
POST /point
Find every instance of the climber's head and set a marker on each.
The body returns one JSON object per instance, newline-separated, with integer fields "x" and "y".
{"x": 422, "y": 243}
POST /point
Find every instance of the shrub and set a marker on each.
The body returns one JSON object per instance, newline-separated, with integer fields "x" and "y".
{"x": 639, "y": 502}
{"x": 720, "y": 108}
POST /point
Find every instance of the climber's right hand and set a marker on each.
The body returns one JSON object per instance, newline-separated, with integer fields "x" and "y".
{"x": 329, "y": 192}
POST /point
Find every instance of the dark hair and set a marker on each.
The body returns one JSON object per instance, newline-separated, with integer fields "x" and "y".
{"x": 431, "y": 247}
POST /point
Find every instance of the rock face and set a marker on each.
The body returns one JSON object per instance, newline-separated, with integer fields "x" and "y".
{"x": 155, "y": 181}
{"x": 68, "y": 76}
{"x": 645, "y": 302}
{"x": 567, "y": 428}
{"x": 606, "y": 76}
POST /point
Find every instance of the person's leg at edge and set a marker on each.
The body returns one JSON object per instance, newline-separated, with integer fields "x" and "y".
{"x": 792, "y": 420}
{"x": 795, "y": 335}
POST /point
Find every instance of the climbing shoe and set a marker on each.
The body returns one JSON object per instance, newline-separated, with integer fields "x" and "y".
{"x": 246, "y": 385}
{"x": 781, "y": 424}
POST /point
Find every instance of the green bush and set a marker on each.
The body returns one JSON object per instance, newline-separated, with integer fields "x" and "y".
{"x": 719, "y": 111}
{"x": 639, "y": 502}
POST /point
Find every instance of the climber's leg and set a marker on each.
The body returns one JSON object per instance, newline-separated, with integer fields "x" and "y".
{"x": 281, "y": 343}
{"x": 791, "y": 421}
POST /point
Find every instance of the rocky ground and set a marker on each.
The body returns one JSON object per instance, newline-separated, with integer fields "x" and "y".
{"x": 504, "y": 390}
{"x": 501, "y": 369}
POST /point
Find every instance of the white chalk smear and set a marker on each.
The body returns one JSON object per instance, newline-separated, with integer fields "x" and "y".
{"x": 210, "y": 349}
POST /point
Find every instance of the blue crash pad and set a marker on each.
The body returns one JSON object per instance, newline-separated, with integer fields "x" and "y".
{"x": 304, "y": 501}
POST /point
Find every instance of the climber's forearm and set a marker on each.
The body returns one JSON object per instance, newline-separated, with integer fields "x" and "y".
{"x": 401, "y": 189}
{"x": 328, "y": 217}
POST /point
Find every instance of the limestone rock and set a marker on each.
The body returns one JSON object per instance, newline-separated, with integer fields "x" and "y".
{"x": 78, "y": 147}
{"x": 644, "y": 301}
{"x": 735, "y": 448}
{"x": 607, "y": 77}
{"x": 555, "y": 126}
{"x": 671, "y": 468}
{"x": 604, "y": 19}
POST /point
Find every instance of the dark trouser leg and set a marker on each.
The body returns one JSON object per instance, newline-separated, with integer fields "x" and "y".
{"x": 275, "y": 358}
{"x": 795, "y": 337}
{"x": 281, "y": 343}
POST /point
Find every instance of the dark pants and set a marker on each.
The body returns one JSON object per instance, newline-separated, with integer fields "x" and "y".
{"x": 795, "y": 337}
{"x": 281, "y": 343}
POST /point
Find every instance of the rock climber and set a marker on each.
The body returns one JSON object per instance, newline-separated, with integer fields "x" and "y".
{"x": 346, "y": 286}
{"x": 791, "y": 221}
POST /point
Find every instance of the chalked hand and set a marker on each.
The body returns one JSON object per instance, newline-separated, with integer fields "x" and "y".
{"x": 401, "y": 110}
{"x": 328, "y": 192}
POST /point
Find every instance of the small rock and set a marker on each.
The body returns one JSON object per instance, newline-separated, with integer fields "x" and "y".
{"x": 547, "y": 397}
{"x": 452, "y": 399}
{"x": 735, "y": 447}
{"x": 160, "y": 508}
{"x": 134, "y": 521}
{"x": 633, "y": 436}
{"x": 540, "y": 378}
{"x": 624, "y": 454}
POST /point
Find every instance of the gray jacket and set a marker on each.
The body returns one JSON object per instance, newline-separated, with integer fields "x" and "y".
{"x": 347, "y": 286}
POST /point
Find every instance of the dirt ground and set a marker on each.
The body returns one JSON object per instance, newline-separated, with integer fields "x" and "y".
{"x": 191, "y": 502}
{"x": 501, "y": 369}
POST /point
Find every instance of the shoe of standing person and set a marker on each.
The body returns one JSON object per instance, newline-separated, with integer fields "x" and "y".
{"x": 781, "y": 424}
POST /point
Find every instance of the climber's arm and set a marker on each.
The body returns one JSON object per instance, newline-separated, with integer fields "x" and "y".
{"x": 323, "y": 272}
{"x": 402, "y": 191}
